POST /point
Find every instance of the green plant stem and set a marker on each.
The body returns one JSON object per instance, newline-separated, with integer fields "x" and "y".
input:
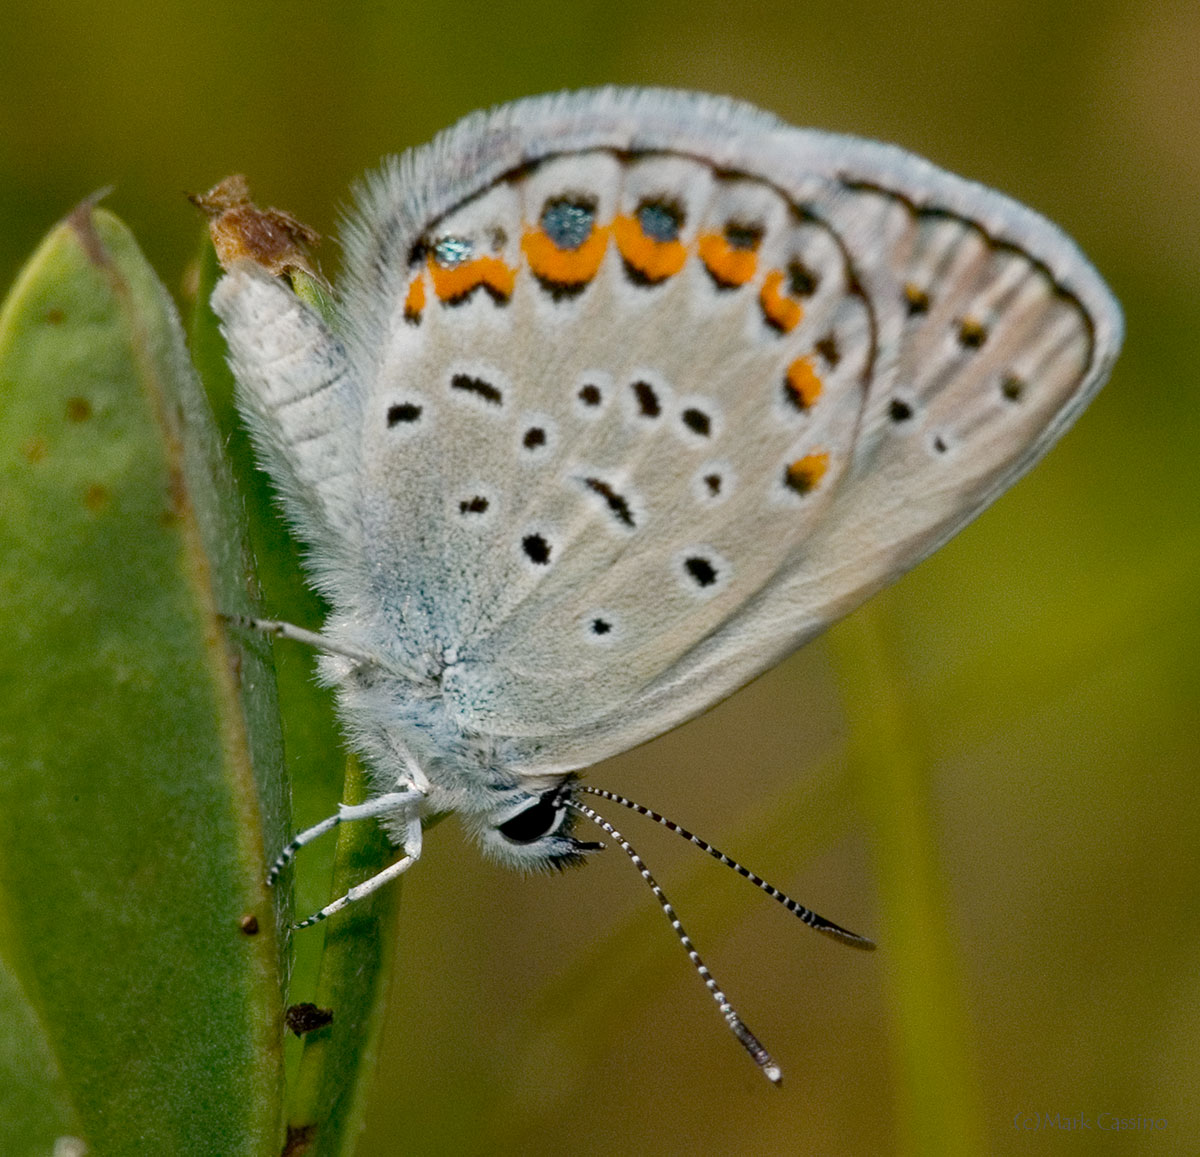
{"x": 344, "y": 963}
{"x": 329, "y": 1092}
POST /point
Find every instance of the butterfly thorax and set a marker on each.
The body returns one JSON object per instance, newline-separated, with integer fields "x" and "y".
{"x": 410, "y": 733}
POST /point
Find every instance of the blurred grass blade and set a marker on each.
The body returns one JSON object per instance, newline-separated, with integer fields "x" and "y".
{"x": 938, "y": 1101}
{"x": 343, "y": 964}
{"x": 137, "y": 941}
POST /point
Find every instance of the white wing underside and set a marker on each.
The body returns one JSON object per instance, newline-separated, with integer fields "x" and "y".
{"x": 967, "y": 334}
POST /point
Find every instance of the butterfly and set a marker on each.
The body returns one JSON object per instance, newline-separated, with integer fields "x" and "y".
{"x": 628, "y": 394}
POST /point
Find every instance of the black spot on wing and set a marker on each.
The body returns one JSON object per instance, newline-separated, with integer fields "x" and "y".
{"x": 617, "y": 503}
{"x": 647, "y": 400}
{"x": 701, "y": 570}
{"x": 480, "y": 387}
{"x": 403, "y": 412}
{"x": 536, "y": 549}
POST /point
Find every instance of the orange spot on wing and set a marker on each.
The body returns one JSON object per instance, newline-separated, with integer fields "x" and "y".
{"x": 414, "y": 301}
{"x": 781, "y": 312}
{"x": 805, "y": 473}
{"x": 804, "y": 386}
{"x": 729, "y": 265}
{"x": 489, "y": 272}
{"x": 654, "y": 260}
{"x": 916, "y": 299}
{"x": 564, "y": 266}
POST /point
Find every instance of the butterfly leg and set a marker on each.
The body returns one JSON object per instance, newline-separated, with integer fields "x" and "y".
{"x": 393, "y": 801}
{"x": 412, "y": 853}
{"x": 278, "y": 629}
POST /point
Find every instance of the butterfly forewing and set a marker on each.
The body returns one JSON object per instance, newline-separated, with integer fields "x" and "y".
{"x": 632, "y": 387}
{"x": 648, "y": 388}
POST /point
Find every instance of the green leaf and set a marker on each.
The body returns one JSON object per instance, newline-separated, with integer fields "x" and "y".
{"x": 138, "y": 953}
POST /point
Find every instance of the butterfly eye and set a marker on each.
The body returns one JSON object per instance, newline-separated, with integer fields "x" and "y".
{"x": 541, "y": 818}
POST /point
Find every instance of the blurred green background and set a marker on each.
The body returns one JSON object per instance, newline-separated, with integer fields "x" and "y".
{"x": 1043, "y": 666}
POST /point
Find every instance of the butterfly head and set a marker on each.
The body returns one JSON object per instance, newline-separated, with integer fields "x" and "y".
{"x": 531, "y": 829}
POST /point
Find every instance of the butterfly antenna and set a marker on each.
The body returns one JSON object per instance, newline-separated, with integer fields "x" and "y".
{"x": 805, "y": 915}
{"x": 749, "y": 1041}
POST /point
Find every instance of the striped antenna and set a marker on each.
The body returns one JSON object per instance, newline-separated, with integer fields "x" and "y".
{"x": 749, "y": 1041}
{"x": 803, "y": 914}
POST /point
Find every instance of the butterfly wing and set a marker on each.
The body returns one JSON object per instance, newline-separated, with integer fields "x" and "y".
{"x": 649, "y": 388}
